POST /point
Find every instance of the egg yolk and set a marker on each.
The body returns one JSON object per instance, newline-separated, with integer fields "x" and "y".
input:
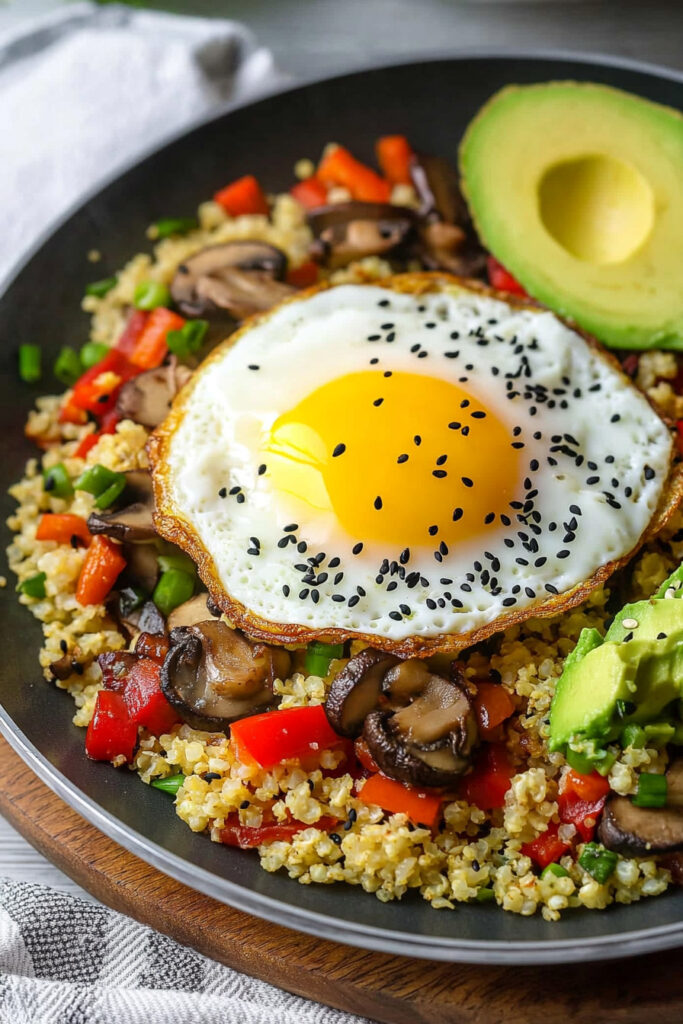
{"x": 399, "y": 458}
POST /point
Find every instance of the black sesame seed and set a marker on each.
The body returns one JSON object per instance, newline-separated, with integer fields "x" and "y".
{"x": 649, "y": 473}
{"x": 405, "y": 609}
{"x": 302, "y": 546}
{"x": 661, "y": 636}
{"x": 357, "y": 548}
{"x": 441, "y": 459}
{"x": 392, "y": 585}
{"x": 223, "y": 493}
{"x": 478, "y": 415}
{"x": 457, "y": 514}
{"x": 402, "y": 458}
{"x": 466, "y": 481}
{"x": 254, "y": 366}
{"x": 378, "y": 402}
{"x": 253, "y": 551}
{"x": 390, "y": 337}
{"x": 240, "y": 499}
{"x": 336, "y": 838}
{"x": 439, "y": 473}
{"x": 417, "y": 440}
{"x": 262, "y": 469}
{"x": 338, "y": 598}
{"x": 551, "y": 589}
{"x": 489, "y": 517}
{"x": 396, "y": 616}
{"x": 303, "y": 594}
{"x": 615, "y": 418}
{"x": 235, "y": 490}
{"x": 465, "y": 431}
{"x": 285, "y": 590}
{"x": 509, "y": 601}
{"x": 378, "y": 503}
{"x": 592, "y": 480}
{"x": 387, "y": 373}
{"x": 575, "y": 510}
{"x": 454, "y": 425}
{"x": 433, "y": 530}
{"x": 338, "y": 450}
{"x": 244, "y": 805}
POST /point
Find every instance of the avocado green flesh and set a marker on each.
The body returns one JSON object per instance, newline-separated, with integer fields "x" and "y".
{"x": 644, "y": 671}
{"x": 577, "y": 190}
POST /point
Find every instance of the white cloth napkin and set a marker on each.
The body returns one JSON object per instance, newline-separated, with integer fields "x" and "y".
{"x": 65, "y": 961}
{"x": 82, "y": 92}
{"x": 87, "y": 88}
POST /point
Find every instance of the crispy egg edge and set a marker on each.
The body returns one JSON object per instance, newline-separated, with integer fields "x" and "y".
{"x": 171, "y": 526}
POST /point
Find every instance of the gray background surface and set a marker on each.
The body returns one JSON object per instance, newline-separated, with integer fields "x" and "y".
{"x": 318, "y": 37}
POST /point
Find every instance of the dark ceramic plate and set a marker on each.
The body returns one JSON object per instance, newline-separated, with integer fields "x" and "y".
{"x": 431, "y": 103}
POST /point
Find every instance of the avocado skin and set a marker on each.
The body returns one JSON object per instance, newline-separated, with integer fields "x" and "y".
{"x": 642, "y": 670}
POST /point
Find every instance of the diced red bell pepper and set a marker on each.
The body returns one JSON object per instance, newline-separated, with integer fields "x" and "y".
{"x": 591, "y": 786}
{"x": 303, "y": 276}
{"x": 144, "y": 699}
{"x": 152, "y": 645}
{"x": 110, "y": 733}
{"x": 339, "y": 167}
{"x": 151, "y": 348}
{"x": 115, "y": 666}
{"x": 365, "y": 757}
{"x": 394, "y": 155}
{"x": 280, "y": 735}
{"x": 62, "y": 527}
{"x": 420, "y": 805}
{"x": 70, "y": 413}
{"x": 131, "y": 333}
{"x": 489, "y": 781}
{"x": 246, "y": 837}
{"x": 492, "y": 705}
{"x": 95, "y": 391}
{"x": 242, "y": 196}
{"x": 107, "y": 426}
{"x": 581, "y": 800}
{"x": 102, "y": 565}
{"x": 503, "y": 280}
{"x": 310, "y": 193}
{"x": 546, "y": 848}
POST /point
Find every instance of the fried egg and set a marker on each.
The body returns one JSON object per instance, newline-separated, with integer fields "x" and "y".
{"x": 417, "y": 462}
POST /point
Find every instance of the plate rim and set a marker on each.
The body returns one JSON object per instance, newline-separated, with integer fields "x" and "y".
{"x": 504, "y": 952}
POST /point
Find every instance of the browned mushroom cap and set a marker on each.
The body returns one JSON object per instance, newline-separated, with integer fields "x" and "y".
{"x": 356, "y": 691}
{"x": 147, "y": 398}
{"x": 428, "y": 742}
{"x": 192, "y": 612}
{"x": 447, "y": 238}
{"x": 142, "y": 565}
{"x": 133, "y": 521}
{"x": 235, "y": 278}
{"x": 637, "y": 831}
{"x": 214, "y": 675}
{"x": 351, "y": 231}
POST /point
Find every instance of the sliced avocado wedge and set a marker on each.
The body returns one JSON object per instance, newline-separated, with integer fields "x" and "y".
{"x": 576, "y": 188}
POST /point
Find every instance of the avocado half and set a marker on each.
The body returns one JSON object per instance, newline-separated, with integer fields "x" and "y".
{"x": 577, "y": 189}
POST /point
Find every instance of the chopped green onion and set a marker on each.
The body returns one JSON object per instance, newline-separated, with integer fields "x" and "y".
{"x": 485, "y": 895}
{"x": 97, "y": 479}
{"x": 100, "y": 288}
{"x": 68, "y": 367}
{"x": 174, "y": 588}
{"x": 29, "y": 363}
{"x": 171, "y": 784}
{"x": 652, "y": 790}
{"x": 633, "y": 736}
{"x": 151, "y": 294}
{"x": 319, "y": 656}
{"x": 92, "y": 352}
{"x": 34, "y": 586}
{"x": 579, "y": 762}
{"x": 176, "y": 560}
{"x": 56, "y": 481}
{"x": 107, "y": 498}
{"x": 554, "y": 869}
{"x": 168, "y": 226}
{"x": 658, "y": 734}
{"x": 188, "y": 339}
{"x": 130, "y": 599}
{"x": 604, "y": 765}
{"x": 598, "y": 862}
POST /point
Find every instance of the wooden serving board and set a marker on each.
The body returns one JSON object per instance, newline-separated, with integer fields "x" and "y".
{"x": 391, "y": 989}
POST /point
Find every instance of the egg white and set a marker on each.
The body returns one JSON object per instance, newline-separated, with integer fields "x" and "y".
{"x": 213, "y": 446}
